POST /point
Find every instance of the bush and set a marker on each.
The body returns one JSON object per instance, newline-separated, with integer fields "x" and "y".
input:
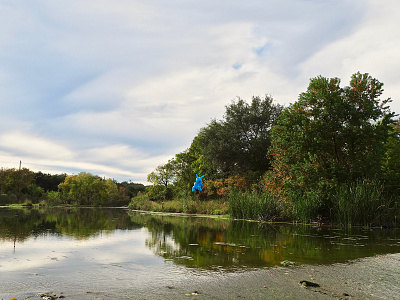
{"x": 141, "y": 202}
{"x": 53, "y": 198}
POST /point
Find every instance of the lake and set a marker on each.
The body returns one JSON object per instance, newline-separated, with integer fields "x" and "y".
{"x": 92, "y": 250}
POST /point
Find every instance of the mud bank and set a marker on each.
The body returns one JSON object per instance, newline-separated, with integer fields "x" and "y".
{"x": 376, "y": 277}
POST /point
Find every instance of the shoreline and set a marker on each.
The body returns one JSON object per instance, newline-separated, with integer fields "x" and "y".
{"x": 376, "y": 277}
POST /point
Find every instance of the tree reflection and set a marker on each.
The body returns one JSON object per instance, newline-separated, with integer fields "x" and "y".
{"x": 231, "y": 245}
{"x": 205, "y": 243}
{"x": 80, "y": 223}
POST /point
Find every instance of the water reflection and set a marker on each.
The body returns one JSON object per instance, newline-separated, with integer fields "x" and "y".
{"x": 232, "y": 245}
{"x": 193, "y": 242}
{"x": 80, "y": 223}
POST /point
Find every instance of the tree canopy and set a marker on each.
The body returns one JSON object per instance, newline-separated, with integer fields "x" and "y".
{"x": 238, "y": 144}
{"x": 87, "y": 189}
{"x": 331, "y": 135}
{"x": 234, "y": 147}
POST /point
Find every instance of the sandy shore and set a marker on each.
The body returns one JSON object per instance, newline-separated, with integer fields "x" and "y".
{"x": 376, "y": 277}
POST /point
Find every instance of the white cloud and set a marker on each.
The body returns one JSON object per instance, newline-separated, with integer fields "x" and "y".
{"x": 372, "y": 49}
{"x": 23, "y": 143}
{"x": 119, "y": 87}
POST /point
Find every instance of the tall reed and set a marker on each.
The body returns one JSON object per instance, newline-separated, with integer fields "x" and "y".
{"x": 307, "y": 205}
{"x": 255, "y": 206}
{"x": 364, "y": 203}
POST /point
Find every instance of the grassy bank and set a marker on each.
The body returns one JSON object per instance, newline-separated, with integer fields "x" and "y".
{"x": 184, "y": 205}
{"x": 363, "y": 203}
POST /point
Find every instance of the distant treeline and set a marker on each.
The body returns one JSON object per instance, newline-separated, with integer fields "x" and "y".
{"x": 23, "y": 186}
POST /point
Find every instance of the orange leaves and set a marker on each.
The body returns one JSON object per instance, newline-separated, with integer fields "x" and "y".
{"x": 222, "y": 187}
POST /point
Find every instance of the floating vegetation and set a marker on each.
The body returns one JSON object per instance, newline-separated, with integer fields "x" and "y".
{"x": 287, "y": 263}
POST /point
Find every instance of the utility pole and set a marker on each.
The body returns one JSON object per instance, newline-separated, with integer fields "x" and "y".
{"x": 19, "y": 181}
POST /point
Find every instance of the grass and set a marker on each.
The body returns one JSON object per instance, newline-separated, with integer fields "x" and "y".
{"x": 307, "y": 205}
{"x": 364, "y": 203}
{"x": 257, "y": 206}
{"x": 183, "y": 205}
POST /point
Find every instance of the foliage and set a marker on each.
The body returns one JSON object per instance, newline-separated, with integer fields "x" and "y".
{"x": 183, "y": 205}
{"x": 222, "y": 187}
{"x": 364, "y": 203}
{"x": 131, "y": 189}
{"x": 87, "y": 189}
{"x": 13, "y": 181}
{"x": 238, "y": 144}
{"x": 235, "y": 146}
{"x": 161, "y": 180}
{"x": 256, "y": 206}
{"x": 330, "y": 136}
{"x": 49, "y": 182}
{"x": 391, "y": 163}
{"x": 24, "y": 185}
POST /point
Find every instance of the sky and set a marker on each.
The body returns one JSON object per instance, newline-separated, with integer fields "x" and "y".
{"x": 118, "y": 87}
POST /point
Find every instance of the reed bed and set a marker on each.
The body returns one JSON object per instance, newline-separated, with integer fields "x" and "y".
{"x": 256, "y": 206}
{"x": 364, "y": 203}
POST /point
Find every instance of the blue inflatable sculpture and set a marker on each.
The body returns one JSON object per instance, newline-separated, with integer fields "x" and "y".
{"x": 198, "y": 184}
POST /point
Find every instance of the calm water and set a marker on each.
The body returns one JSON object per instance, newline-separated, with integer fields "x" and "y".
{"x": 92, "y": 248}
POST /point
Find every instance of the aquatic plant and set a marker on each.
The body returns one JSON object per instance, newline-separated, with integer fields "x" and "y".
{"x": 364, "y": 202}
{"x": 256, "y": 206}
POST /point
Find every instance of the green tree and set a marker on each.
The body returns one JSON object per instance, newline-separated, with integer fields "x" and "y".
{"x": 87, "y": 189}
{"x": 49, "y": 182}
{"x": 238, "y": 144}
{"x": 331, "y": 135}
{"x": 391, "y": 164}
{"x": 161, "y": 179}
{"x": 131, "y": 189}
{"x": 14, "y": 181}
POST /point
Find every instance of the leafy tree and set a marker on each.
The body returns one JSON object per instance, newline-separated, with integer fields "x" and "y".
{"x": 161, "y": 179}
{"x": 238, "y": 144}
{"x": 87, "y": 189}
{"x": 391, "y": 164}
{"x": 49, "y": 182}
{"x": 188, "y": 163}
{"x": 331, "y": 135}
{"x": 14, "y": 181}
{"x": 131, "y": 188}
{"x": 234, "y": 147}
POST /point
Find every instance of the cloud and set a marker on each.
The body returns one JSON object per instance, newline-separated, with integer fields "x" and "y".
{"x": 35, "y": 152}
{"x": 119, "y": 87}
{"x": 370, "y": 49}
{"x": 21, "y": 144}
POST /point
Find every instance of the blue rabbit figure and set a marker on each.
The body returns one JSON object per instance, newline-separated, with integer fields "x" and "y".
{"x": 198, "y": 184}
